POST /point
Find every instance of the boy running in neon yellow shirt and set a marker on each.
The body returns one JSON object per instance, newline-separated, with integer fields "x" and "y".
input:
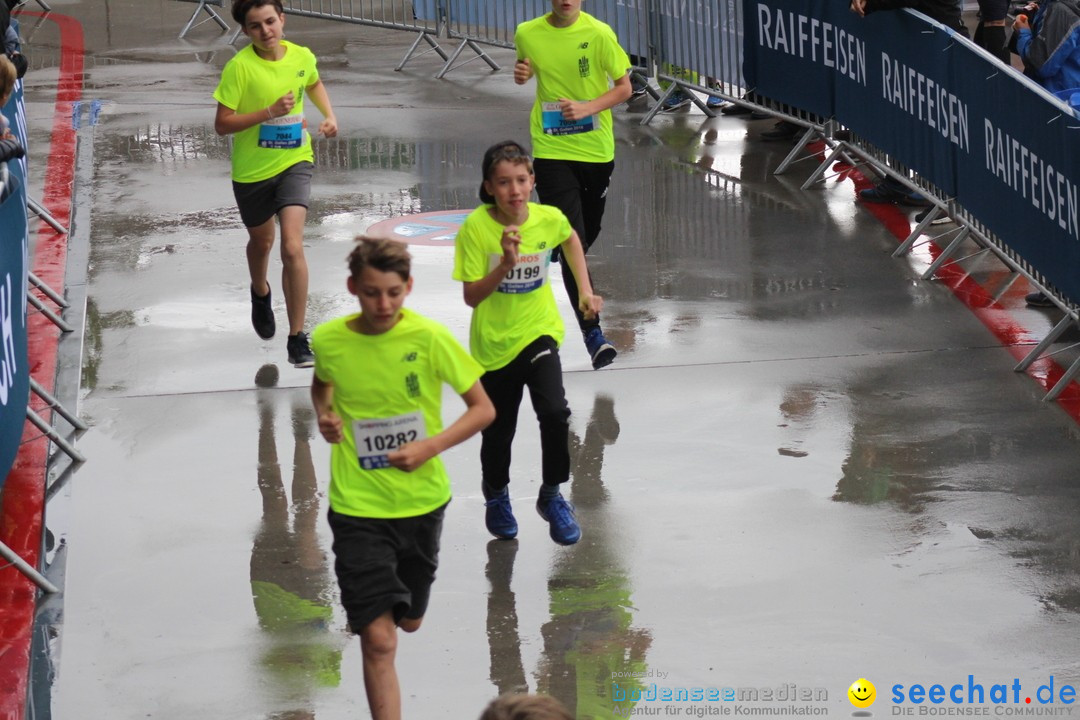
{"x": 581, "y": 73}
{"x": 501, "y": 255}
{"x": 261, "y": 102}
{"x": 377, "y": 393}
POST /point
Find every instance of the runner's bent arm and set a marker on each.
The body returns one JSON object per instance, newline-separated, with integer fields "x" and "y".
{"x": 228, "y": 121}
{"x": 478, "y": 291}
{"x": 317, "y": 93}
{"x": 479, "y": 412}
{"x": 588, "y": 303}
{"x": 619, "y": 93}
{"x": 322, "y": 397}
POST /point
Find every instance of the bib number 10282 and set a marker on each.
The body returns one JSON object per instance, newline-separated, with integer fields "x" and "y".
{"x": 376, "y": 438}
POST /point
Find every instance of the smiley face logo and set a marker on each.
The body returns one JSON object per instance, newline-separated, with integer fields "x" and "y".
{"x": 862, "y": 693}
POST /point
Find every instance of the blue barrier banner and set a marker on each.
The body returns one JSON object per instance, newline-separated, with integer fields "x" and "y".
{"x": 1022, "y": 176}
{"x": 795, "y": 53}
{"x": 427, "y": 9}
{"x": 887, "y": 76}
{"x": 503, "y": 15}
{"x": 1005, "y": 149}
{"x": 628, "y": 18}
{"x": 905, "y": 101}
{"x": 705, "y": 35}
{"x": 14, "y": 368}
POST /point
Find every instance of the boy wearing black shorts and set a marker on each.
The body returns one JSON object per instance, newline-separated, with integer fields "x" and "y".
{"x": 377, "y": 392}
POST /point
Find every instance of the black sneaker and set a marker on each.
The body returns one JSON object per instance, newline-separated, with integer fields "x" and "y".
{"x": 783, "y": 130}
{"x": 1039, "y": 299}
{"x": 299, "y": 347}
{"x": 262, "y": 315}
{"x": 941, "y": 219}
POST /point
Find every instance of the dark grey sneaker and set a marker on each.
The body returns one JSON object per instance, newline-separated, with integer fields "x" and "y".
{"x": 262, "y": 315}
{"x": 299, "y": 347}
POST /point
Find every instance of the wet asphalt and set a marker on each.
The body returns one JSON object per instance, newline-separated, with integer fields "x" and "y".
{"x": 807, "y": 465}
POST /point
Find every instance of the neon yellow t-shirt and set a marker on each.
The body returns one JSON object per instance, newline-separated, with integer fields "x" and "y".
{"x": 388, "y": 391}
{"x": 575, "y": 63}
{"x": 250, "y": 83}
{"x": 523, "y": 308}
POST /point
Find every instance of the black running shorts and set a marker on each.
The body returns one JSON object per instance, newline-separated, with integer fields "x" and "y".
{"x": 385, "y": 564}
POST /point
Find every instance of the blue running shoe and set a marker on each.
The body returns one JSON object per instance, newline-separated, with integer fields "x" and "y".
{"x": 559, "y": 514}
{"x": 678, "y": 101}
{"x": 600, "y": 350}
{"x": 715, "y": 102}
{"x": 499, "y": 518}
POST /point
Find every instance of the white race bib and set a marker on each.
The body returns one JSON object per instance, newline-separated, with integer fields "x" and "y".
{"x": 529, "y": 274}
{"x": 282, "y": 133}
{"x": 554, "y": 123}
{"x": 377, "y": 437}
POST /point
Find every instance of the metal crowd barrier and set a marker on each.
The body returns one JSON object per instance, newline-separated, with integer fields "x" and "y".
{"x": 932, "y": 111}
{"x": 212, "y": 15}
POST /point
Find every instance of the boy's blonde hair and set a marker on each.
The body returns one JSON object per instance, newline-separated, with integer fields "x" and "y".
{"x": 8, "y": 76}
{"x": 526, "y": 707}
{"x": 383, "y": 254}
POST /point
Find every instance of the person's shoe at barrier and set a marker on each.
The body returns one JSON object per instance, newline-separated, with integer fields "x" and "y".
{"x": 914, "y": 199}
{"x": 262, "y": 315}
{"x": 715, "y": 102}
{"x": 783, "y": 130}
{"x": 759, "y": 115}
{"x": 638, "y": 101}
{"x": 600, "y": 350}
{"x": 892, "y": 192}
{"x": 733, "y": 109}
{"x": 879, "y": 194}
{"x": 1039, "y": 300}
{"x": 299, "y": 348}
{"x": 678, "y": 101}
{"x": 939, "y": 220}
{"x": 559, "y": 514}
{"x": 499, "y": 517}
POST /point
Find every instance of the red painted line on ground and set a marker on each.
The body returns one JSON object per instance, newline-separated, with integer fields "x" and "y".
{"x": 991, "y": 313}
{"x": 22, "y": 515}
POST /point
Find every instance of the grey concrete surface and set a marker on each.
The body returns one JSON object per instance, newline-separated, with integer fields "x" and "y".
{"x": 806, "y": 467}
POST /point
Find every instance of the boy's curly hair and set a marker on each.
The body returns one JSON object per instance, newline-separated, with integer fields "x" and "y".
{"x": 240, "y": 8}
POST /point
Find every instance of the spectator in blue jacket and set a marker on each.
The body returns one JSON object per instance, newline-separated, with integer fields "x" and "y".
{"x": 1050, "y": 45}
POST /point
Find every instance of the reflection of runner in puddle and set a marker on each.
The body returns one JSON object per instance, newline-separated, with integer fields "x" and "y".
{"x": 589, "y": 644}
{"x": 290, "y": 581}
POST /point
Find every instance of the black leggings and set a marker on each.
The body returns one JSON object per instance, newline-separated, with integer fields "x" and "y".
{"x": 537, "y": 367}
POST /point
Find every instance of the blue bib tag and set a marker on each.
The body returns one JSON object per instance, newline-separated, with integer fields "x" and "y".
{"x": 283, "y": 133}
{"x": 555, "y": 124}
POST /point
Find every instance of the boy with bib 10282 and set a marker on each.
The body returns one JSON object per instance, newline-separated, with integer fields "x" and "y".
{"x": 502, "y": 255}
{"x": 261, "y": 103}
{"x": 377, "y": 393}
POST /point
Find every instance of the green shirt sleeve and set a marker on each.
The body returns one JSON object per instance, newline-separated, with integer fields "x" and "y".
{"x": 470, "y": 262}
